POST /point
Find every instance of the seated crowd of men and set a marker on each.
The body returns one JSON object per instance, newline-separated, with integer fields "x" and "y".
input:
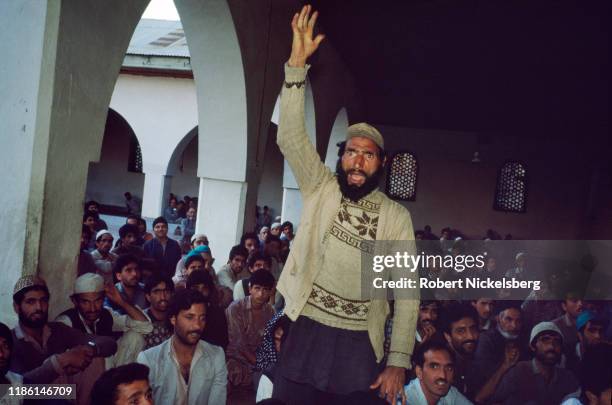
{"x": 149, "y": 325}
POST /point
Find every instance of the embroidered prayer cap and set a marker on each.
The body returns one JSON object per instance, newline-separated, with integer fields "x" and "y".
{"x": 88, "y": 283}
{"x": 199, "y": 236}
{"x": 366, "y": 131}
{"x": 28, "y": 281}
{"x": 102, "y": 233}
{"x": 544, "y": 327}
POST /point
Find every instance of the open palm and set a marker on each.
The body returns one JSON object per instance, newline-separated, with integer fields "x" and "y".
{"x": 304, "y": 44}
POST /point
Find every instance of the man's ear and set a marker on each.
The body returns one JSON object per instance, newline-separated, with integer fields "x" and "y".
{"x": 15, "y": 307}
{"x": 173, "y": 320}
{"x": 419, "y": 372}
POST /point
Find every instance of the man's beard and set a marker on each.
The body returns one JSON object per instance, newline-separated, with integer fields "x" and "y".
{"x": 548, "y": 360}
{"x": 34, "y": 324}
{"x": 353, "y": 192}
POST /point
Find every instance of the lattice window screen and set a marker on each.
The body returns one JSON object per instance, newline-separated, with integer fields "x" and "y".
{"x": 511, "y": 191}
{"x": 135, "y": 158}
{"x": 401, "y": 183}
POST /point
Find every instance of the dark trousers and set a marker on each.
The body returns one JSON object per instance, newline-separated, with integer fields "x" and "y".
{"x": 319, "y": 364}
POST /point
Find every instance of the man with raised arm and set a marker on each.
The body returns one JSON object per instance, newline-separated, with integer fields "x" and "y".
{"x": 336, "y": 342}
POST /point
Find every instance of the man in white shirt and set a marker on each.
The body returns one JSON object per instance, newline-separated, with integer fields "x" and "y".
{"x": 102, "y": 256}
{"x": 185, "y": 370}
{"x": 435, "y": 370}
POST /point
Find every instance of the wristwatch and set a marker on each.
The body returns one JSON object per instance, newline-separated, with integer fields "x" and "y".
{"x": 94, "y": 346}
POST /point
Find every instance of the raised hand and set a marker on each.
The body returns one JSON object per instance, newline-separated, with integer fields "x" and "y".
{"x": 303, "y": 44}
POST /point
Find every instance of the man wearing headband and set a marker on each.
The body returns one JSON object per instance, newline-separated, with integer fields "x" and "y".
{"x": 321, "y": 281}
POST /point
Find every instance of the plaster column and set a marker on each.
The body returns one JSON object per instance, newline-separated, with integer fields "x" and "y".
{"x": 219, "y": 76}
{"x": 53, "y": 116}
{"x": 155, "y": 194}
{"x": 221, "y": 205}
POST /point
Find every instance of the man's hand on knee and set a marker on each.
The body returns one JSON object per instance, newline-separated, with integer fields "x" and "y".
{"x": 390, "y": 384}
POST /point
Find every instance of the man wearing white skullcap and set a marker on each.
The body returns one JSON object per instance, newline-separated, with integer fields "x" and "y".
{"x": 89, "y": 316}
{"x": 102, "y": 256}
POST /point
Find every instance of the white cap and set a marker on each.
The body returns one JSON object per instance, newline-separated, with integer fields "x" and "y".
{"x": 102, "y": 232}
{"x": 519, "y": 255}
{"x": 544, "y": 327}
{"x": 275, "y": 225}
{"x": 88, "y": 283}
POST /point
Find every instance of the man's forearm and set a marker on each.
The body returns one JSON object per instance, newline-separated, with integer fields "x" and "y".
{"x": 292, "y": 137}
{"x": 491, "y": 385}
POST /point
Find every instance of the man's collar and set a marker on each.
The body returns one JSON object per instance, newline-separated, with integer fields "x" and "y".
{"x": 536, "y": 370}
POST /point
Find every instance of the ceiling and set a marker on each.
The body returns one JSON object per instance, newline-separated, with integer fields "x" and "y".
{"x": 536, "y": 68}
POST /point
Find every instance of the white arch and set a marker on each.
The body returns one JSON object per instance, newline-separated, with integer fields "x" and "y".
{"x": 338, "y": 134}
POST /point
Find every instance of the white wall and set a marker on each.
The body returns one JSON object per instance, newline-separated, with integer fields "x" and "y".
{"x": 185, "y": 181}
{"x": 270, "y": 190}
{"x": 109, "y": 178}
{"x": 160, "y": 110}
{"x": 21, "y": 27}
{"x": 452, "y": 191}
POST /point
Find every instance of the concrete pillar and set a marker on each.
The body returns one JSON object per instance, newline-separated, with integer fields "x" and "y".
{"x": 222, "y": 121}
{"x": 338, "y": 134}
{"x": 55, "y": 115}
{"x": 155, "y": 194}
{"x": 221, "y": 205}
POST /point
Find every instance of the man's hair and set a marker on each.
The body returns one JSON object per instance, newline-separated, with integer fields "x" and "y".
{"x": 141, "y": 220}
{"x": 194, "y": 258}
{"x": 431, "y": 345}
{"x": 6, "y": 333}
{"x": 160, "y": 220}
{"x": 200, "y": 277}
{"x": 503, "y": 306}
{"x": 88, "y": 214}
{"x": 257, "y": 255}
{"x": 342, "y": 148}
{"x": 272, "y": 238}
{"x": 104, "y": 391}
{"x": 183, "y": 300}
{"x": 18, "y": 298}
{"x": 595, "y": 371}
{"x": 123, "y": 261}
{"x": 157, "y": 278}
{"x": 90, "y": 203}
{"x": 127, "y": 229}
{"x": 455, "y": 313}
{"x": 238, "y": 250}
{"x": 132, "y": 216}
{"x": 287, "y": 223}
{"x": 263, "y": 278}
{"x": 426, "y": 303}
{"x": 249, "y": 235}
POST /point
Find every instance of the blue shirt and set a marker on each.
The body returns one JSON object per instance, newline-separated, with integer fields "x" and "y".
{"x": 139, "y": 299}
{"x": 415, "y": 396}
{"x": 167, "y": 258}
